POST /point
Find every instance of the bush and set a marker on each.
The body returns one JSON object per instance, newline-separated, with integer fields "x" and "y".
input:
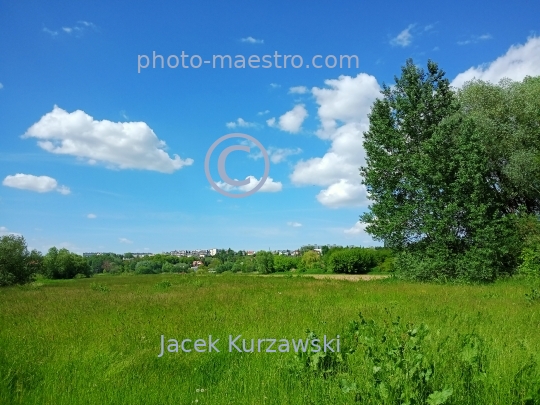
{"x": 285, "y": 263}
{"x": 353, "y": 261}
{"x": 221, "y": 268}
{"x": 17, "y": 264}
{"x": 264, "y": 262}
{"x": 62, "y": 264}
{"x": 530, "y": 265}
{"x": 148, "y": 267}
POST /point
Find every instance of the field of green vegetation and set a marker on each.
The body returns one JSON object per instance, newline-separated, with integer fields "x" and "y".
{"x": 96, "y": 341}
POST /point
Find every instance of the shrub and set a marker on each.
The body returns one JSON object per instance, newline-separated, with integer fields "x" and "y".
{"x": 530, "y": 265}
{"x": 62, "y": 264}
{"x": 353, "y": 261}
{"x": 148, "y": 267}
{"x": 224, "y": 267}
{"x": 285, "y": 263}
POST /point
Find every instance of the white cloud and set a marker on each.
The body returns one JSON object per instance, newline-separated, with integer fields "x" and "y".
{"x": 4, "y": 231}
{"x": 50, "y": 32}
{"x": 91, "y": 216}
{"x": 125, "y": 240}
{"x": 294, "y": 224}
{"x": 345, "y": 99}
{"x": 252, "y": 40}
{"x": 278, "y": 155}
{"x": 63, "y": 190}
{"x": 240, "y": 123}
{"x": 343, "y": 111}
{"x": 1, "y": 86}
{"x": 404, "y": 38}
{"x": 270, "y": 186}
{"x": 357, "y": 229}
{"x": 275, "y": 85}
{"x": 475, "y": 39}
{"x": 291, "y": 121}
{"x": 343, "y": 194}
{"x": 77, "y": 30}
{"x": 517, "y": 63}
{"x": 123, "y": 145}
{"x": 263, "y": 112}
{"x": 39, "y": 184}
{"x": 298, "y": 90}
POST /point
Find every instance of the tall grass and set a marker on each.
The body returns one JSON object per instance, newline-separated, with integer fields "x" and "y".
{"x": 96, "y": 341}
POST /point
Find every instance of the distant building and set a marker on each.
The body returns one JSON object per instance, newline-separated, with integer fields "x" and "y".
{"x": 91, "y": 254}
{"x": 213, "y": 252}
{"x": 138, "y": 255}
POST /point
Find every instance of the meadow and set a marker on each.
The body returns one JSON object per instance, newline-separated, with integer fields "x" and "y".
{"x": 96, "y": 341}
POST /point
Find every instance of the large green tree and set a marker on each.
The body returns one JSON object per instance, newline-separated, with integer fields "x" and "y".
{"x": 442, "y": 170}
{"x": 17, "y": 264}
{"x": 62, "y": 264}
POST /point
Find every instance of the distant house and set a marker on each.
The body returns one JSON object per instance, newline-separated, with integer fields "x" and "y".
{"x": 197, "y": 263}
{"x": 250, "y": 253}
{"x": 142, "y": 254}
{"x": 91, "y": 254}
{"x": 213, "y": 252}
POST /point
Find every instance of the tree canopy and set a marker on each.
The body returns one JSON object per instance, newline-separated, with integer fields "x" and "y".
{"x": 451, "y": 172}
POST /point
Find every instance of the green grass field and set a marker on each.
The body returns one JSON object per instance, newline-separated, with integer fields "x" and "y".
{"x": 96, "y": 341}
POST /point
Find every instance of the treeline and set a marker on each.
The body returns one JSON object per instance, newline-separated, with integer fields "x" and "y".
{"x": 18, "y": 265}
{"x": 454, "y": 176}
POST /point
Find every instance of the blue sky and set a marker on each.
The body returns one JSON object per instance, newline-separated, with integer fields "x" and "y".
{"x": 95, "y": 156}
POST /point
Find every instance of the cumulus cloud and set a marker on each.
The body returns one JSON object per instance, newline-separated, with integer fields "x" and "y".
{"x": 294, "y": 224}
{"x": 270, "y": 186}
{"x": 404, "y": 38}
{"x": 344, "y": 105}
{"x": 39, "y": 184}
{"x": 125, "y": 240}
{"x": 251, "y": 40}
{"x": 291, "y": 121}
{"x": 91, "y": 216}
{"x": 345, "y": 193}
{"x": 240, "y": 122}
{"x": 298, "y": 90}
{"x": 122, "y": 145}
{"x": 357, "y": 229}
{"x": 275, "y": 85}
{"x": 517, "y": 63}
{"x": 263, "y": 112}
